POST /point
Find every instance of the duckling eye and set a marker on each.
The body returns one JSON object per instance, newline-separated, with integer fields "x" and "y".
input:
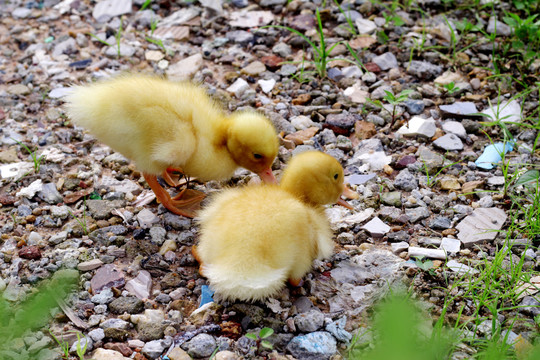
{"x": 257, "y": 156}
{"x": 335, "y": 176}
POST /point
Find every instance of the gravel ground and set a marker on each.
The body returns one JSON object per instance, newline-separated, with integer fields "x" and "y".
{"x": 68, "y": 201}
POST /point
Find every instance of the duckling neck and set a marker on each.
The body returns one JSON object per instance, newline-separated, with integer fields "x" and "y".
{"x": 302, "y": 196}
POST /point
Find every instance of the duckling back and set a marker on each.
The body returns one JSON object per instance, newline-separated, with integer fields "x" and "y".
{"x": 253, "y": 239}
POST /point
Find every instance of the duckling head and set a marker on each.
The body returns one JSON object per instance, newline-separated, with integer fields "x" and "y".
{"x": 252, "y": 142}
{"x": 315, "y": 177}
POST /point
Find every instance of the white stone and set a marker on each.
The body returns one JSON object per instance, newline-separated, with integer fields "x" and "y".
{"x": 483, "y": 224}
{"x": 449, "y": 142}
{"x": 460, "y": 268}
{"x": 239, "y": 87}
{"x": 185, "y": 68}
{"x": 428, "y": 253}
{"x": 60, "y": 92}
{"x": 451, "y": 246}
{"x": 399, "y": 247}
{"x": 15, "y": 170}
{"x": 141, "y": 285}
{"x": 180, "y": 17}
{"x": 376, "y": 227}
{"x": 146, "y": 218}
{"x": 496, "y": 181}
{"x": 104, "y": 354}
{"x": 267, "y": 85}
{"x": 31, "y": 190}
{"x": 504, "y": 111}
{"x": 454, "y": 127}
{"x": 154, "y": 55}
{"x": 250, "y": 19}
{"x": 419, "y": 126}
{"x": 301, "y": 122}
{"x": 352, "y": 71}
{"x": 365, "y": 26}
{"x": 356, "y": 94}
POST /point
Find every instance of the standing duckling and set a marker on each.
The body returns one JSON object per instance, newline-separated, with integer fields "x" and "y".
{"x": 255, "y": 238}
{"x": 165, "y": 126}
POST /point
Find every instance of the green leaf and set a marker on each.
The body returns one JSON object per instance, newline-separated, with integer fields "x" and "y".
{"x": 529, "y": 176}
{"x": 266, "y": 344}
{"x": 251, "y": 336}
{"x": 265, "y": 332}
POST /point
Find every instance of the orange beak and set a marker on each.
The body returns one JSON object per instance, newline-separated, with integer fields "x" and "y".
{"x": 348, "y": 193}
{"x": 267, "y": 176}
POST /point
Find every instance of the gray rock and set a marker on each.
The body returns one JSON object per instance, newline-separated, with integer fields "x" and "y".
{"x": 200, "y": 346}
{"x": 416, "y": 214}
{"x": 158, "y": 235}
{"x": 83, "y": 342}
{"x": 460, "y": 268}
{"x": 49, "y": 194}
{"x": 310, "y": 321}
{"x": 496, "y": 26}
{"x": 440, "y": 223}
{"x": 107, "y": 276}
{"x": 337, "y": 329}
{"x": 146, "y": 218}
{"x": 419, "y": 126}
{"x": 97, "y": 334}
{"x": 126, "y": 304}
{"x": 316, "y": 345}
{"x": 530, "y": 306}
{"x": 21, "y": 13}
{"x": 103, "y": 235}
{"x": 458, "y": 109}
{"x": 406, "y": 181}
{"x": 240, "y": 36}
{"x": 371, "y": 265}
{"x": 177, "y": 222}
{"x": 365, "y": 26}
{"x": 392, "y": 198}
{"x": 455, "y": 127}
{"x": 101, "y": 209}
{"x": 414, "y": 107}
{"x": 480, "y": 226}
{"x": 125, "y": 51}
{"x": 282, "y": 49}
{"x": 151, "y": 330}
{"x": 486, "y": 202}
{"x": 59, "y": 212}
{"x": 268, "y": 3}
{"x": 431, "y": 160}
{"x": 386, "y": 61}
{"x": 423, "y": 70}
{"x": 68, "y": 47}
{"x": 107, "y": 9}
{"x": 58, "y": 238}
{"x": 153, "y": 349}
{"x": 141, "y": 285}
{"x": 449, "y": 142}
{"x": 103, "y": 297}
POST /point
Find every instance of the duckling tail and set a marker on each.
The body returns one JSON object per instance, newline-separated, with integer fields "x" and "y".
{"x": 245, "y": 286}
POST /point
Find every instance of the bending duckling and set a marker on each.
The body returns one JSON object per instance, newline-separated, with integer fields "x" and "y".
{"x": 253, "y": 239}
{"x": 165, "y": 126}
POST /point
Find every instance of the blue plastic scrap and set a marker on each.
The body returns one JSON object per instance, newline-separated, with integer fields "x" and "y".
{"x": 492, "y": 154}
{"x": 206, "y": 295}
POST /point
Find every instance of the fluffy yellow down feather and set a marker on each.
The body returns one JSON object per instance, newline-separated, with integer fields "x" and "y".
{"x": 255, "y": 238}
{"x": 161, "y": 124}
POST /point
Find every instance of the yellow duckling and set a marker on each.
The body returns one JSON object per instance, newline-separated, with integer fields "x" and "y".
{"x": 165, "y": 126}
{"x": 253, "y": 239}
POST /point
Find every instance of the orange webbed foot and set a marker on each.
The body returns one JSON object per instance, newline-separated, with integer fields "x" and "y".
{"x": 296, "y": 282}
{"x": 168, "y": 177}
{"x": 186, "y": 203}
{"x": 198, "y": 258}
